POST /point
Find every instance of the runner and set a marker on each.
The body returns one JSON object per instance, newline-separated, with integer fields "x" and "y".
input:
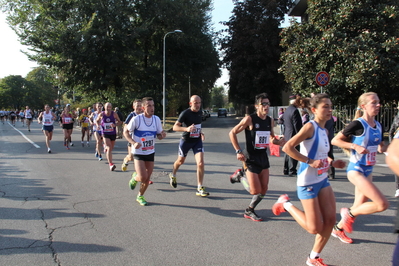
{"x": 137, "y": 109}
{"x": 84, "y": 122}
{"x": 363, "y": 137}
{"x": 109, "y": 120}
{"x": 67, "y": 125}
{"x": 145, "y": 127}
{"x": 22, "y": 116}
{"x": 97, "y": 130}
{"x": 313, "y": 187}
{"x": 28, "y": 114}
{"x": 13, "y": 117}
{"x": 189, "y": 122}
{"x": 392, "y": 160}
{"x": 258, "y": 134}
{"x": 47, "y": 118}
{"x": 2, "y": 115}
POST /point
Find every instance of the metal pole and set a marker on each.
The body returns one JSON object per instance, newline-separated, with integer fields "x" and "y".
{"x": 164, "y": 79}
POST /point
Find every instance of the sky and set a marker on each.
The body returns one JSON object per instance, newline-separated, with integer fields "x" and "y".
{"x": 14, "y": 62}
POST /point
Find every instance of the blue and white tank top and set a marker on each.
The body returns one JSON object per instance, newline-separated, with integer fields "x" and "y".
{"x": 370, "y": 139}
{"x": 316, "y": 148}
{"x": 145, "y": 131}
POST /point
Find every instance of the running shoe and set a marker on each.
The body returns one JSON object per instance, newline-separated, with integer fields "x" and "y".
{"x": 65, "y": 143}
{"x": 347, "y": 220}
{"x": 88, "y": 144}
{"x": 173, "y": 182}
{"x": 133, "y": 182}
{"x": 236, "y": 177}
{"x": 278, "y": 207}
{"x": 83, "y": 144}
{"x": 252, "y": 215}
{"x": 49, "y": 150}
{"x": 124, "y": 167}
{"x": 67, "y": 147}
{"x": 315, "y": 262}
{"x": 150, "y": 182}
{"x": 112, "y": 167}
{"x": 141, "y": 200}
{"x": 201, "y": 192}
{"x": 397, "y": 193}
{"x": 71, "y": 143}
{"x": 96, "y": 154}
{"x": 340, "y": 234}
{"x": 100, "y": 158}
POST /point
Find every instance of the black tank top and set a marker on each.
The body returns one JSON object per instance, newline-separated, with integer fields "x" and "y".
{"x": 258, "y": 124}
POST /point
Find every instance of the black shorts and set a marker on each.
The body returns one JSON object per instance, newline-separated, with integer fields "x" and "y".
{"x": 257, "y": 162}
{"x": 146, "y": 158}
{"x": 66, "y": 126}
{"x": 48, "y": 128}
{"x": 111, "y": 137}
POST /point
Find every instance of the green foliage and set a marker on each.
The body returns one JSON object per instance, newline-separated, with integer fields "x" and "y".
{"x": 112, "y": 50}
{"x": 252, "y": 50}
{"x": 356, "y": 42}
{"x": 218, "y": 97}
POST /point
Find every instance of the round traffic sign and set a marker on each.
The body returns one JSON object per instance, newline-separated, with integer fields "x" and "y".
{"x": 322, "y": 78}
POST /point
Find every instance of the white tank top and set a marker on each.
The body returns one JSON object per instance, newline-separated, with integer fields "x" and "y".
{"x": 316, "y": 148}
{"x": 47, "y": 119}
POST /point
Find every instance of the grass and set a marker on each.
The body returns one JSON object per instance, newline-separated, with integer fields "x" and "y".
{"x": 170, "y": 121}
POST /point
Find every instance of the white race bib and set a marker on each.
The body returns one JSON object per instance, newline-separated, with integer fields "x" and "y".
{"x": 262, "y": 139}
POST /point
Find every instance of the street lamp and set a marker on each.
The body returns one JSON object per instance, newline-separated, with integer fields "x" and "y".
{"x": 164, "y": 77}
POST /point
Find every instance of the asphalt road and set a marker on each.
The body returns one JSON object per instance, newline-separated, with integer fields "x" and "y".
{"x": 67, "y": 208}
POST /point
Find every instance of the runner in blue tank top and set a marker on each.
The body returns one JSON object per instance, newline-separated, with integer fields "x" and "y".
{"x": 366, "y": 138}
{"x": 313, "y": 188}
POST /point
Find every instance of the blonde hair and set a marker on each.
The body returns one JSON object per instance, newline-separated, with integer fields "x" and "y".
{"x": 362, "y": 100}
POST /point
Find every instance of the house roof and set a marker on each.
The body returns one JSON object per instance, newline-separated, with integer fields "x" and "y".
{"x": 299, "y": 8}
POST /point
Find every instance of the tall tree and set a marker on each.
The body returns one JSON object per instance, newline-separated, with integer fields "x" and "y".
{"x": 113, "y": 48}
{"x": 356, "y": 42}
{"x": 252, "y": 50}
{"x": 16, "y": 92}
{"x": 42, "y": 81}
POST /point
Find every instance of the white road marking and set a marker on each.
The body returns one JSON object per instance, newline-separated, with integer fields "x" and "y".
{"x": 23, "y": 135}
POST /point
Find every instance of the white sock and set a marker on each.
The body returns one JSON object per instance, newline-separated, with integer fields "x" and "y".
{"x": 314, "y": 255}
{"x": 199, "y": 187}
{"x": 287, "y": 206}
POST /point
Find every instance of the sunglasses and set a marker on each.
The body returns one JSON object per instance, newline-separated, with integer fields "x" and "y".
{"x": 264, "y": 104}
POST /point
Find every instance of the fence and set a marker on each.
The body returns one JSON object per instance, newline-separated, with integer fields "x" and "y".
{"x": 345, "y": 115}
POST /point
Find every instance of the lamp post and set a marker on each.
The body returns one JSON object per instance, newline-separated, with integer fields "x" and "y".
{"x": 164, "y": 78}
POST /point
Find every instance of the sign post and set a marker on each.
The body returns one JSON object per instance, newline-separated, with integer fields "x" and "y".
{"x": 322, "y": 79}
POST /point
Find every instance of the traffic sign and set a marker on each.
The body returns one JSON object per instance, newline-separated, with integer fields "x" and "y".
{"x": 322, "y": 78}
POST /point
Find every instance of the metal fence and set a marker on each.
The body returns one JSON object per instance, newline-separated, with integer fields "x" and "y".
{"x": 345, "y": 115}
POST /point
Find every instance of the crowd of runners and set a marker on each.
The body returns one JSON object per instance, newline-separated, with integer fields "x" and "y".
{"x": 310, "y": 146}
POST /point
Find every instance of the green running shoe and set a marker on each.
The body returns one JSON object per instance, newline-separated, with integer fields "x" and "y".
{"x": 141, "y": 200}
{"x": 133, "y": 182}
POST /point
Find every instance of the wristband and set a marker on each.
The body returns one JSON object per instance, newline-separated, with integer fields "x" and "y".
{"x": 238, "y": 151}
{"x": 307, "y": 161}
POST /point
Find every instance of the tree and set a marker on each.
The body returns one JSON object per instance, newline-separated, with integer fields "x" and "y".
{"x": 112, "y": 49}
{"x": 16, "y": 92}
{"x": 356, "y": 42}
{"x": 217, "y": 97}
{"x": 42, "y": 82}
{"x": 252, "y": 50}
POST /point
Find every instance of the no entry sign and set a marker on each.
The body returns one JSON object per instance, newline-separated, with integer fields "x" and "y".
{"x": 322, "y": 78}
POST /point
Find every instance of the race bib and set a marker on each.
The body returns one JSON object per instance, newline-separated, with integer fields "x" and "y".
{"x": 262, "y": 139}
{"x": 197, "y": 132}
{"x": 326, "y": 165}
{"x": 47, "y": 121}
{"x": 67, "y": 120}
{"x": 108, "y": 127}
{"x": 371, "y": 156}
{"x": 147, "y": 143}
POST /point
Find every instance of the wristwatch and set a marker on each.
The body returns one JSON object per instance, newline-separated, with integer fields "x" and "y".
{"x": 238, "y": 151}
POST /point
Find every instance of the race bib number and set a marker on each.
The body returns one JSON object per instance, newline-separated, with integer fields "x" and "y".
{"x": 262, "y": 139}
{"x": 371, "y": 156}
{"x": 47, "y": 121}
{"x": 197, "y": 132}
{"x": 108, "y": 127}
{"x": 147, "y": 143}
{"x": 67, "y": 120}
